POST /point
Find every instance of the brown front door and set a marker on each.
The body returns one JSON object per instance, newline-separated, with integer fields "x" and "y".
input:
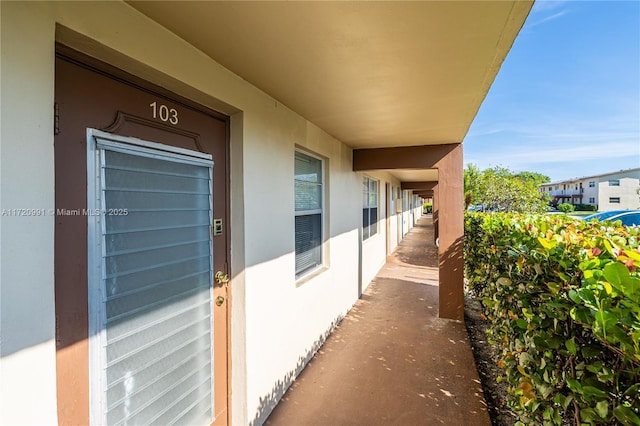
{"x": 160, "y": 311}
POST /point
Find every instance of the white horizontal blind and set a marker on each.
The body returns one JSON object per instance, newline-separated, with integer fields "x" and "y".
{"x": 308, "y": 212}
{"x": 155, "y": 286}
{"x": 308, "y": 242}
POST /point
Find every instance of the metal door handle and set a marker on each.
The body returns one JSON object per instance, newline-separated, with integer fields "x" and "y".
{"x": 219, "y": 300}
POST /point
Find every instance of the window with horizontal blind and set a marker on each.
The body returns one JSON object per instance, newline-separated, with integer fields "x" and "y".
{"x": 370, "y": 207}
{"x": 308, "y": 186}
{"x": 150, "y": 274}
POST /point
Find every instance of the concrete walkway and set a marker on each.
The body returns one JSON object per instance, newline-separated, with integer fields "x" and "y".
{"x": 391, "y": 361}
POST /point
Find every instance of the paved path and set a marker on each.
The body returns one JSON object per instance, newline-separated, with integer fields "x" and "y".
{"x": 391, "y": 361}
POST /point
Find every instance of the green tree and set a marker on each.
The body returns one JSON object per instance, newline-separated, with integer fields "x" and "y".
{"x": 499, "y": 189}
{"x": 536, "y": 178}
{"x": 471, "y": 179}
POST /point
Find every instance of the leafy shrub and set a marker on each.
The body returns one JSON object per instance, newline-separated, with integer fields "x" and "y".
{"x": 566, "y": 207}
{"x": 427, "y": 208}
{"x": 563, "y": 300}
{"x": 585, "y": 207}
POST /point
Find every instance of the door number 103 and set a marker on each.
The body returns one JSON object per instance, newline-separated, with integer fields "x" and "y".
{"x": 164, "y": 113}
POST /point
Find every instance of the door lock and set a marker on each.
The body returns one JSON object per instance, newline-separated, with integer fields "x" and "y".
{"x": 221, "y": 278}
{"x": 219, "y": 300}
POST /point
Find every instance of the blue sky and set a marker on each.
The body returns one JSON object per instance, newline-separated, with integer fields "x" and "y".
{"x": 566, "y": 102}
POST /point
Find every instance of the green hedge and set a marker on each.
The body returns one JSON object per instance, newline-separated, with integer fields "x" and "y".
{"x": 562, "y": 297}
{"x": 586, "y": 207}
{"x": 566, "y": 207}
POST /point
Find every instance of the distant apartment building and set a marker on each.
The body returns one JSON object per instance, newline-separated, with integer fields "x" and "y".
{"x": 609, "y": 191}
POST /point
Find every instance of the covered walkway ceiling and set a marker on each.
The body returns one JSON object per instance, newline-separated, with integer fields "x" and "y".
{"x": 372, "y": 74}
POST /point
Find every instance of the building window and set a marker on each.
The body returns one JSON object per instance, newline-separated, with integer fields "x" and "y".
{"x": 592, "y": 200}
{"x": 614, "y": 182}
{"x": 592, "y": 184}
{"x": 308, "y": 212}
{"x": 614, "y": 200}
{"x": 370, "y": 207}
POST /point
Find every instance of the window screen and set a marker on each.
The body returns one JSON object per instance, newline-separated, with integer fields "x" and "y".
{"x": 370, "y": 207}
{"x": 153, "y": 282}
{"x": 308, "y": 212}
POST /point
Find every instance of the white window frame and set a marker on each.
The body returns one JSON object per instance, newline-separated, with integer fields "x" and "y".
{"x": 614, "y": 182}
{"x": 614, "y": 200}
{"x": 96, "y": 141}
{"x": 366, "y": 234}
{"x": 592, "y": 184}
{"x": 304, "y": 273}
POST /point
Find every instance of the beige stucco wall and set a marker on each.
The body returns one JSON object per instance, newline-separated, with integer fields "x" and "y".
{"x": 27, "y": 350}
{"x": 627, "y": 192}
{"x": 394, "y": 219}
{"x": 407, "y": 212}
{"x": 276, "y": 322}
{"x": 374, "y": 248}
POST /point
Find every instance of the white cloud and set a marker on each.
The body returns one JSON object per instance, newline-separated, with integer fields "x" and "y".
{"x": 547, "y": 19}
{"x": 604, "y": 150}
{"x": 561, "y": 160}
{"x": 542, "y": 6}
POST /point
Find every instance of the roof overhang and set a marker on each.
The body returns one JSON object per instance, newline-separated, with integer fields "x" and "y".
{"x": 372, "y": 74}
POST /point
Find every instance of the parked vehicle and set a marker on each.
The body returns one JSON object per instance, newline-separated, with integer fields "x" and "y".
{"x": 605, "y": 215}
{"x": 630, "y": 218}
{"x": 627, "y": 217}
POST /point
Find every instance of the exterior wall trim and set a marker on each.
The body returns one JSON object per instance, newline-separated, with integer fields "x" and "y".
{"x": 411, "y": 157}
{"x": 98, "y": 66}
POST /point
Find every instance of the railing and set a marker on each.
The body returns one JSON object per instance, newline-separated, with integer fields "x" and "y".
{"x": 567, "y": 192}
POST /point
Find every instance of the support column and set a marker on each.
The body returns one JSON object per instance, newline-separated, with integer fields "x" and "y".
{"x": 449, "y": 194}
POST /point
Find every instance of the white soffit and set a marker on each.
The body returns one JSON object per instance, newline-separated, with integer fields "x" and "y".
{"x": 372, "y": 74}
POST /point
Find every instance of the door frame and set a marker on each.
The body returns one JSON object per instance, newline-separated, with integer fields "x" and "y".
{"x": 388, "y": 215}
{"x": 95, "y": 65}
